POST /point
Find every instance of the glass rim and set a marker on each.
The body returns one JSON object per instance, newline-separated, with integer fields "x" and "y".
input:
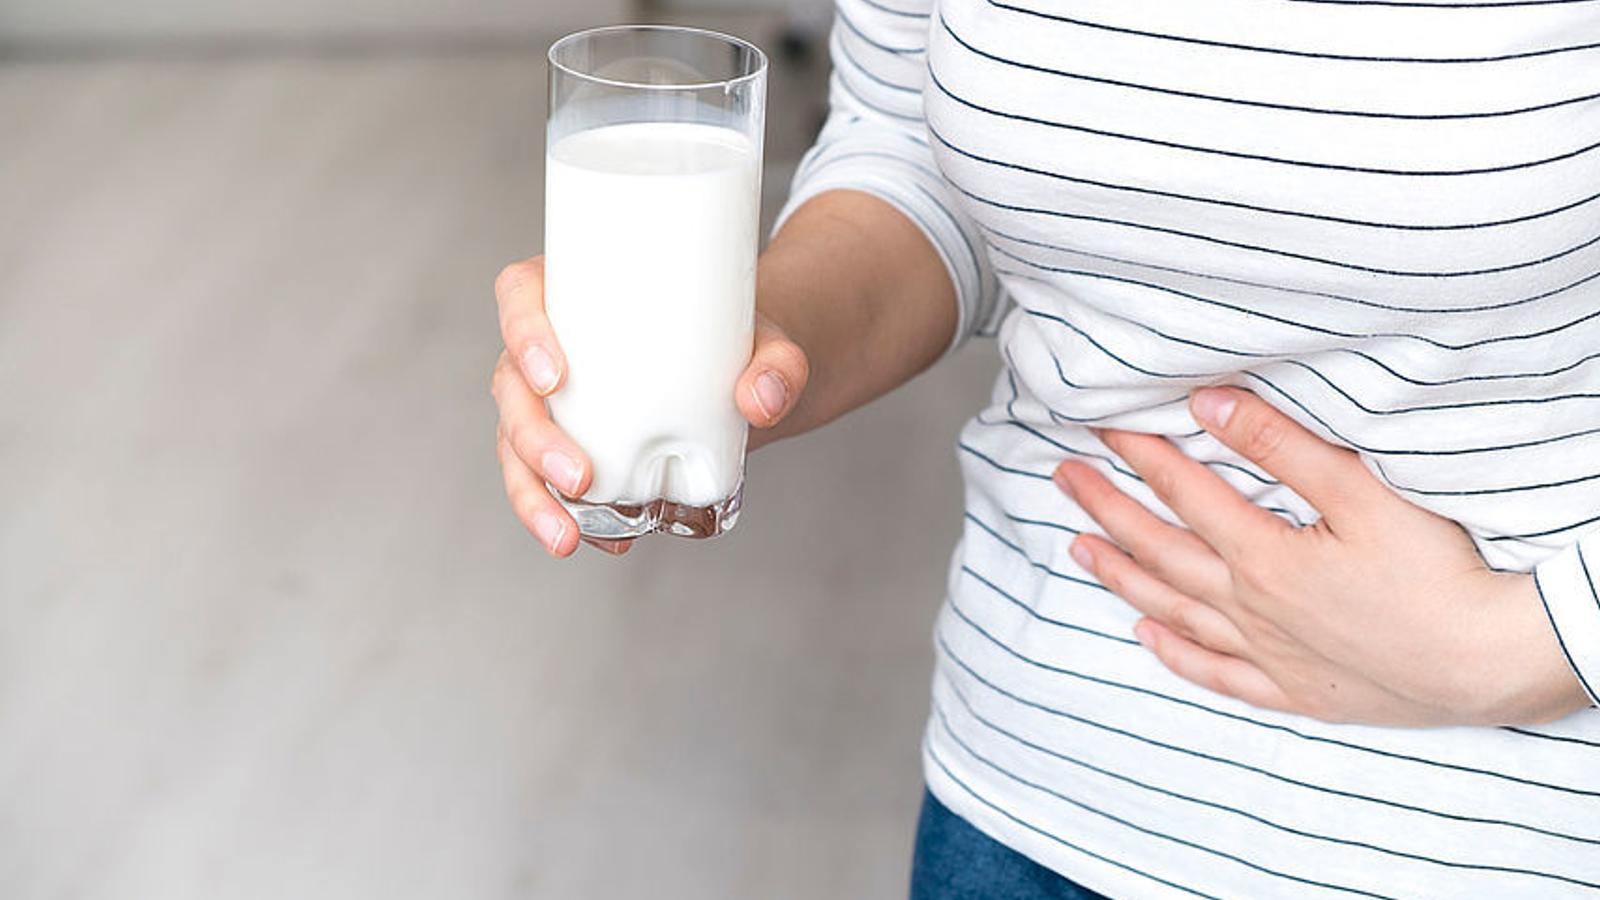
{"x": 759, "y": 56}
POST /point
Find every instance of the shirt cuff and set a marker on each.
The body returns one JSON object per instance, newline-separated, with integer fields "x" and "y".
{"x": 1567, "y": 587}
{"x": 912, "y": 187}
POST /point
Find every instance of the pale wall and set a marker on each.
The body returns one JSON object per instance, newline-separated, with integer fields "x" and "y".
{"x": 23, "y": 21}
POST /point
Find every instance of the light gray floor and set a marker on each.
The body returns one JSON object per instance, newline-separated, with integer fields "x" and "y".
{"x": 266, "y": 626}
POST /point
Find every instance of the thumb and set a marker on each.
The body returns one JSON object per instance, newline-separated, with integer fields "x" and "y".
{"x": 1330, "y": 478}
{"x": 775, "y": 378}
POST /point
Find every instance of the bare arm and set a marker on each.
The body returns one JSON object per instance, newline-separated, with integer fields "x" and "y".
{"x": 861, "y": 290}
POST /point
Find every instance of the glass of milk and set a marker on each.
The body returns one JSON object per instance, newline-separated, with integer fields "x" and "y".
{"x": 652, "y": 199}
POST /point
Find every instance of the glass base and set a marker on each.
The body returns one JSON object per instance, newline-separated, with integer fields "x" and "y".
{"x": 619, "y": 521}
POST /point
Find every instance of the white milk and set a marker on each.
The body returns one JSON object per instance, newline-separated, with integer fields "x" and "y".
{"x": 650, "y": 246}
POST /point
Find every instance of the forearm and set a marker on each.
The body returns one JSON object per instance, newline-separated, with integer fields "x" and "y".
{"x": 862, "y": 291}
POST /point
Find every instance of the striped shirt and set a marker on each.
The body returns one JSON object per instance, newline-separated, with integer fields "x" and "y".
{"x": 1384, "y": 218}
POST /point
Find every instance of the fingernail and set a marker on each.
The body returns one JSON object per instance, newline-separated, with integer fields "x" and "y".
{"x": 1213, "y": 407}
{"x": 1082, "y": 556}
{"x": 1063, "y": 483}
{"x": 562, "y": 470}
{"x": 540, "y": 367}
{"x": 550, "y": 528}
{"x": 1141, "y": 630}
{"x": 771, "y": 394}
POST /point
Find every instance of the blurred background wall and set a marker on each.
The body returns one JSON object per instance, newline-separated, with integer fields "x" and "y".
{"x": 110, "y": 21}
{"x": 39, "y": 22}
{"x": 267, "y": 628}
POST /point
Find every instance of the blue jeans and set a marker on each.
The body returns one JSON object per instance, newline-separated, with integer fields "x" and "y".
{"x": 955, "y": 861}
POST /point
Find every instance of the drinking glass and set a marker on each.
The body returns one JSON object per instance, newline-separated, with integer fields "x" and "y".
{"x": 652, "y": 198}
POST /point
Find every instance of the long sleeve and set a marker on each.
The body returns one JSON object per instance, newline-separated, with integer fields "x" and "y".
{"x": 1567, "y": 586}
{"x": 875, "y": 141}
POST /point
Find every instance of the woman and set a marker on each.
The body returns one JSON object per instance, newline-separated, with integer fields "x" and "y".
{"x": 1225, "y": 659}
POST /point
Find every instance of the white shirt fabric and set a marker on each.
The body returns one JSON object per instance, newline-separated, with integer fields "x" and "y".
{"x": 1384, "y": 218}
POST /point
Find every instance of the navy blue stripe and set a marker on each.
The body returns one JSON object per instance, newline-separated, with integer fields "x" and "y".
{"x": 1561, "y": 640}
{"x": 1032, "y": 613}
{"x": 1258, "y": 157}
{"x": 962, "y": 445}
{"x": 1280, "y": 358}
{"x": 1255, "y": 248}
{"x": 1548, "y": 532}
{"x": 1271, "y": 726}
{"x": 822, "y": 162}
{"x": 1471, "y": 450}
{"x": 844, "y": 50}
{"x": 1041, "y": 523}
{"x": 1373, "y": 451}
{"x": 854, "y": 118}
{"x": 1299, "y": 292}
{"x": 1341, "y": 438}
{"x": 1223, "y": 807}
{"x": 1292, "y": 323}
{"x": 1113, "y": 462}
{"x": 1183, "y": 376}
{"x": 899, "y": 51}
{"x": 1060, "y": 417}
{"x": 1544, "y": 736}
{"x": 1119, "y": 469}
{"x": 1254, "y": 376}
{"x": 950, "y": 654}
{"x": 881, "y": 110}
{"x": 933, "y": 755}
{"x": 999, "y": 465}
{"x": 1014, "y": 548}
{"x": 1258, "y": 377}
{"x": 1415, "y": 491}
{"x": 1249, "y": 207}
{"x": 1261, "y": 104}
{"x": 966, "y": 240}
{"x": 1306, "y": 54}
{"x": 1588, "y": 579}
{"x": 909, "y": 14}
{"x": 1505, "y": 489}
{"x": 1212, "y": 851}
{"x": 1200, "y": 377}
{"x": 823, "y": 159}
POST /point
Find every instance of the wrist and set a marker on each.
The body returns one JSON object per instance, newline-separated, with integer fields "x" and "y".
{"x": 1523, "y": 675}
